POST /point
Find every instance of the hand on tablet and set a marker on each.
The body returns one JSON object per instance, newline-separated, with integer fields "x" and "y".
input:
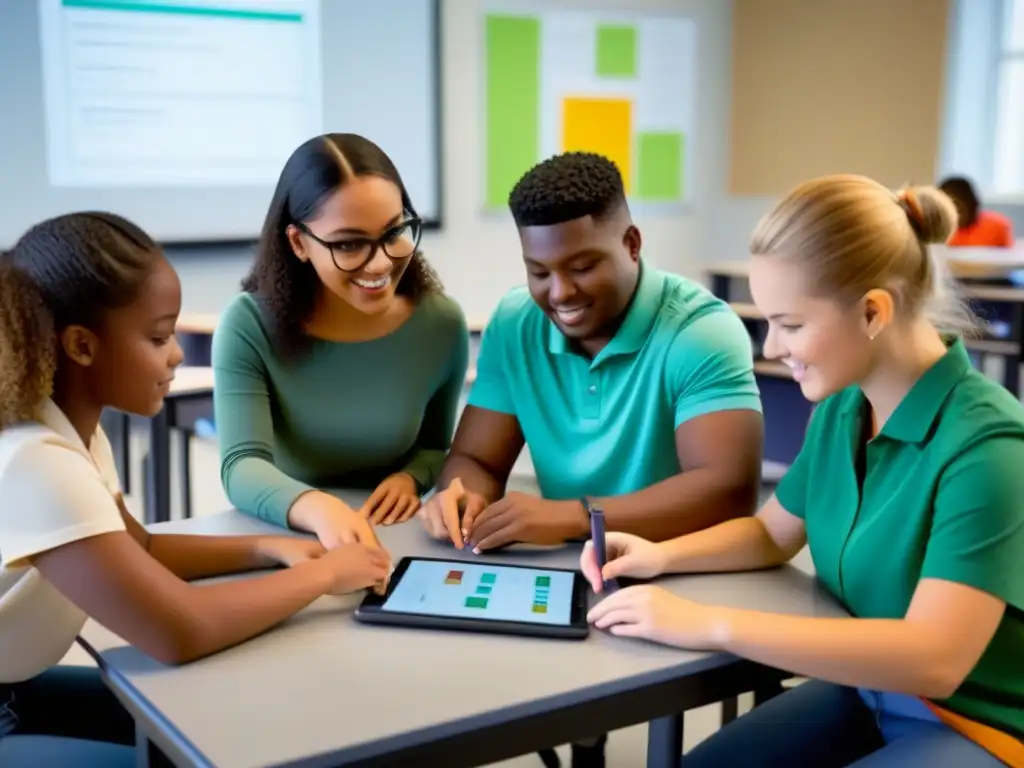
{"x": 354, "y": 566}
{"x": 525, "y": 519}
{"x": 395, "y": 500}
{"x": 628, "y": 555}
{"x": 441, "y": 516}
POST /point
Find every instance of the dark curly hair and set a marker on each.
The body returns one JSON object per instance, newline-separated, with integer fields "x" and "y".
{"x": 63, "y": 271}
{"x": 566, "y": 187}
{"x": 287, "y": 287}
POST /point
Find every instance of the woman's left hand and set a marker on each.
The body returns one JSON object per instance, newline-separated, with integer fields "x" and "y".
{"x": 656, "y": 614}
{"x": 395, "y": 500}
{"x": 289, "y": 550}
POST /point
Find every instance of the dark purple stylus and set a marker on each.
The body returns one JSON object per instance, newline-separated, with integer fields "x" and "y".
{"x": 597, "y": 530}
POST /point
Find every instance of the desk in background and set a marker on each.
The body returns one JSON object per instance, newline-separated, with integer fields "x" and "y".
{"x": 323, "y": 690}
{"x": 194, "y": 332}
{"x": 982, "y": 263}
{"x": 190, "y": 399}
{"x": 962, "y": 263}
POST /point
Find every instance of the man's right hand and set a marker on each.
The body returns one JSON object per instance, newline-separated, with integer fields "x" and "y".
{"x": 441, "y": 516}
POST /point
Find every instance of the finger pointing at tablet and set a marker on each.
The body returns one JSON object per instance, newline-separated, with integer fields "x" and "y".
{"x": 440, "y": 516}
{"x": 475, "y": 504}
{"x": 450, "y": 498}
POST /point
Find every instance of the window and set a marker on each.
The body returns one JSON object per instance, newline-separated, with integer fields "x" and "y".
{"x": 1008, "y": 157}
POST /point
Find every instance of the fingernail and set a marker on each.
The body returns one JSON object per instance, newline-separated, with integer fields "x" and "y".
{"x": 476, "y": 550}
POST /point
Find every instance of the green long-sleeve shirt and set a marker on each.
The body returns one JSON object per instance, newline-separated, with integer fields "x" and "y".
{"x": 340, "y": 415}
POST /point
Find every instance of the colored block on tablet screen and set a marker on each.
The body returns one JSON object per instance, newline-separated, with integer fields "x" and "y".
{"x": 453, "y": 577}
{"x": 484, "y": 589}
{"x": 538, "y": 608}
{"x": 488, "y": 578}
{"x": 476, "y": 602}
{"x": 543, "y": 581}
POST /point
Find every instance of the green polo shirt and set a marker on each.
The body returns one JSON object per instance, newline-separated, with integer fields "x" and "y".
{"x": 942, "y": 497}
{"x": 606, "y": 426}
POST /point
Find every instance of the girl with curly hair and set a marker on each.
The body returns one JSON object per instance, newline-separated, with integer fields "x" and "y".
{"x": 342, "y": 362}
{"x": 88, "y": 306}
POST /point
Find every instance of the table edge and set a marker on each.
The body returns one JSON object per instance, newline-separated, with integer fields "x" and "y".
{"x": 361, "y": 751}
{"x": 145, "y": 710}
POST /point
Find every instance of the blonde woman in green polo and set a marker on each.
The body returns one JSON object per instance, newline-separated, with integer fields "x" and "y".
{"x": 909, "y": 491}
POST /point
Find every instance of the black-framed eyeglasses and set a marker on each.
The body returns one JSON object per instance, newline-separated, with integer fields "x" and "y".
{"x": 351, "y": 254}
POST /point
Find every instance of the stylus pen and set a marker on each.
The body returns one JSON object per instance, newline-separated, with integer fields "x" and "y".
{"x": 597, "y": 530}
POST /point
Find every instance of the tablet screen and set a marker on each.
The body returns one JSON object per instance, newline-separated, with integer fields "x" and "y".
{"x": 488, "y": 592}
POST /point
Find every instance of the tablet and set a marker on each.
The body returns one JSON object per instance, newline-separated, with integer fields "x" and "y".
{"x": 481, "y": 597}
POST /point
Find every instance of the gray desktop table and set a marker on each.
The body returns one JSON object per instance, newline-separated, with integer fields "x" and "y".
{"x": 323, "y": 690}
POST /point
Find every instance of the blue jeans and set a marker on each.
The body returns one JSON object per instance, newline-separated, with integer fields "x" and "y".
{"x": 65, "y": 716}
{"x": 821, "y": 725}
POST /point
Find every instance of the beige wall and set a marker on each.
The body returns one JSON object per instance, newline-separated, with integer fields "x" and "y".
{"x": 827, "y": 86}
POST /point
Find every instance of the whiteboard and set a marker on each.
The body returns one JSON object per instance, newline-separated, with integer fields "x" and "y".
{"x": 180, "y": 114}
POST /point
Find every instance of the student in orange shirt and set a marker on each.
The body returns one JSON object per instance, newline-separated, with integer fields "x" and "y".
{"x": 977, "y": 228}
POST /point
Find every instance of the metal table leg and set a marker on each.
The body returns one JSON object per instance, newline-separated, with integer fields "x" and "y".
{"x": 185, "y": 455}
{"x": 665, "y": 742}
{"x": 158, "y": 470}
{"x": 730, "y": 710}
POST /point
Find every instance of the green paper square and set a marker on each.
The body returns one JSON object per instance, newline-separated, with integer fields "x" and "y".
{"x": 660, "y": 166}
{"x": 512, "y": 102}
{"x": 616, "y": 50}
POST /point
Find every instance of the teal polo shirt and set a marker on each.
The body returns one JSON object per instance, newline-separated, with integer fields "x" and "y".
{"x": 606, "y": 426}
{"x": 940, "y": 494}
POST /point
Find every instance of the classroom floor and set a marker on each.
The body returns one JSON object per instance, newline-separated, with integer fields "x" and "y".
{"x": 626, "y": 748}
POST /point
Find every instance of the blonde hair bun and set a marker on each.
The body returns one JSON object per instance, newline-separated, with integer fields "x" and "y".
{"x": 931, "y": 211}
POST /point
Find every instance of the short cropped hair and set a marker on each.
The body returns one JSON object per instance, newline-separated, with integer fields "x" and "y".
{"x": 566, "y": 187}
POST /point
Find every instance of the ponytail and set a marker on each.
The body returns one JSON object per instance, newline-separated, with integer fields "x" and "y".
{"x": 933, "y": 216}
{"x": 28, "y": 346}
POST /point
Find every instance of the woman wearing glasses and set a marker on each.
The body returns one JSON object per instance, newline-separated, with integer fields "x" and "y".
{"x": 342, "y": 362}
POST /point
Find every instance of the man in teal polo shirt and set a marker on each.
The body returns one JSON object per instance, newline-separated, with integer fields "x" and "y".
{"x": 629, "y": 385}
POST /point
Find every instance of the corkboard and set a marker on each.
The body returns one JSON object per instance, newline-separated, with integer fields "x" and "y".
{"x": 836, "y": 86}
